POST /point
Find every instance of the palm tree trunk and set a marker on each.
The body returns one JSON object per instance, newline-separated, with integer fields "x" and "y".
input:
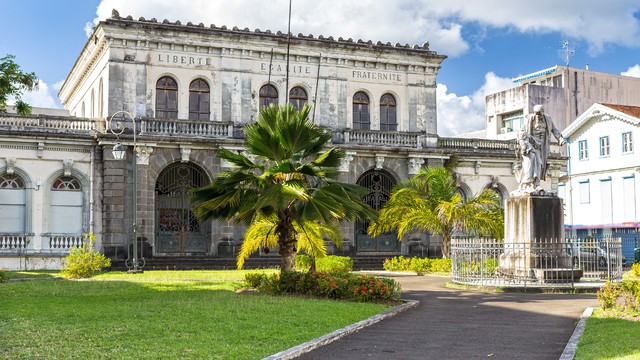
{"x": 287, "y": 243}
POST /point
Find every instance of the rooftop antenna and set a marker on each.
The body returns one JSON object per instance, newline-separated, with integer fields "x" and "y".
{"x": 567, "y": 50}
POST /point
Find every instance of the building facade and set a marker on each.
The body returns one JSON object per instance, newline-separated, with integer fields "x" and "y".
{"x": 602, "y": 184}
{"x": 564, "y": 92}
{"x": 173, "y": 94}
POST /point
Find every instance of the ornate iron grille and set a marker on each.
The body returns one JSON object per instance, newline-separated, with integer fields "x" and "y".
{"x": 177, "y": 229}
{"x": 379, "y": 182}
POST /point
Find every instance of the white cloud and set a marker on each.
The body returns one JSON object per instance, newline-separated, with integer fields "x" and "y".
{"x": 595, "y": 22}
{"x": 632, "y": 71}
{"x": 38, "y": 98}
{"x": 462, "y": 114}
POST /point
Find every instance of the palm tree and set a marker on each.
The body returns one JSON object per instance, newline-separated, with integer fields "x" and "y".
{"x": 430, "y": 201}
{"x": 285, "y": 186}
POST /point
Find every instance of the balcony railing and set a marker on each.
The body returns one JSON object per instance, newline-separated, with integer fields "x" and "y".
{"x": 382, "y": 138}
{"x": 61, "y": 242}
{"x": 479, "y": 144}
{"x": 14, "y": 242}
{"x": 42, "y": 122}
{"x": 150, "y": 126}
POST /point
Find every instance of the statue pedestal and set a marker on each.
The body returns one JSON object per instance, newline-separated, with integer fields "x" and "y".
{"x": 534, "y": 245}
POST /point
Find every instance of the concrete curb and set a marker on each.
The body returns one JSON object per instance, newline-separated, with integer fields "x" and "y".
{"x": 570, "y": 350}
{"x": 331, "y": 337}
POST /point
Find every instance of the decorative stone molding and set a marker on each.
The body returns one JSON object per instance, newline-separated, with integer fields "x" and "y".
{"x": 515, "y": 166}
{"x": 346, "y": 161}
{"x": 40, "y": 149}
{"x": 494, "y": 181}
{"x": 415, "y": 163}
{"x": 68, "y": 165}
{"x": 476, "y": 167}
{"x": 143, "y": 153}
{"x": 11, "y": 163}
{"x": 185, "y": 154}
{"x": 379, "y": 161}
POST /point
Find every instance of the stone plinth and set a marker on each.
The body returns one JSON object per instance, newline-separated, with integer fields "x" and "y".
{"x": 534, "y": 239}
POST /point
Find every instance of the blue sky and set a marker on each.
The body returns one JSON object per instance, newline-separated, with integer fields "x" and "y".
{"x": 487, "y": 42}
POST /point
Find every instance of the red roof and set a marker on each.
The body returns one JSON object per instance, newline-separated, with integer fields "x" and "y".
{"x": 629, "y": 110}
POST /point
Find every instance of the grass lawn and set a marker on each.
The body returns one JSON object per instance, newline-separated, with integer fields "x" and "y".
{"x": 608, "y": 337}
{"x": 159, "y": 314}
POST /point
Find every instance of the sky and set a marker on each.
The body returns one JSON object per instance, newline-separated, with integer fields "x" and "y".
{"x": 487, "y": 42}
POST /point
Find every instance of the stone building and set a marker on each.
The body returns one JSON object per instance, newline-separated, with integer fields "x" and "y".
{"x": 176, "y": 93}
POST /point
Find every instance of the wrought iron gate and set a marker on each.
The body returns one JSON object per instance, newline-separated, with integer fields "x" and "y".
{"x": 379, "y": 182}
{"x": 178, "y": 232}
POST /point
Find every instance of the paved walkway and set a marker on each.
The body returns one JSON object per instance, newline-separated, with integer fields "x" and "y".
{"x": 460, "y": 324}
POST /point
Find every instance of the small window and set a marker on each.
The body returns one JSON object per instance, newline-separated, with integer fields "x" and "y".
{"x": 388, "y": 120}
{"x": 268, "y": 95}
{"x": 583, "y": 151}
{"x": 604, "y": 146}
{"x": 512, "y": 121}
{"x": 298, "y": 98}
{"x": 627, "y": 143}
{"x": 166, "y": 98}
{"x": 12, "y": 203}
{"x": 199, "y": 100}
{"x": 361, "y": 118}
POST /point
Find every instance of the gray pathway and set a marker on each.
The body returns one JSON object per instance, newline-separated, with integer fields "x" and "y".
{"x": 460, "y": 324}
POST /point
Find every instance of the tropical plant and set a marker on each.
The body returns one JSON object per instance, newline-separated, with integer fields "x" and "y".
{"x": 430, "y": 201}
{"x": 14, "y": 82}
{"x": 83, "y": 261}
{"x": 284, "y": 189}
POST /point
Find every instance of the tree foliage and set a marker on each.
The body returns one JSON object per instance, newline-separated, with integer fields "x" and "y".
{"x": 284, "y": 187}
{"x": 431, "y": 201}
{"x": 13, "y": 81}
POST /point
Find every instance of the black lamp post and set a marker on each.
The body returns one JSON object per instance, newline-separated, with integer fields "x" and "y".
{"x": 133, "y": 262}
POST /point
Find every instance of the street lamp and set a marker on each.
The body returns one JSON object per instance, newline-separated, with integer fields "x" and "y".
{"x": 133, "y": 262}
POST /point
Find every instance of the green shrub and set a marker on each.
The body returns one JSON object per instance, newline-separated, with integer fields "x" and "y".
{"x": 330, "y": 264}
{"x": 254, "y": 279}
{"x": 84, "y": 261}
{"x": 303, "y": 262}
{"x": 397, "y": 263}
{"x": 335, "y": 264}
{"x": 440, "y": 265}
{"x": 420, "y": 266}
{"x": 3, "y": 276}
{"x": 635, "y": 268}
{"x": 623, "y": 296}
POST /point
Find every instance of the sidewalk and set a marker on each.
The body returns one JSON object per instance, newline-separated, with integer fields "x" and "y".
{"x": 460, "y": 324}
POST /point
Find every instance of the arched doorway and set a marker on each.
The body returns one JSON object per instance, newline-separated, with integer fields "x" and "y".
{"x": 379, "y": 182}
{"x": 178, "y": 232}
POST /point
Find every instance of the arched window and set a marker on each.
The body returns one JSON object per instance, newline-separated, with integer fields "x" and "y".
{"x": 361, "y": 118}
{"x": 298, "y": 98}
{"x": 93, "y": 103}
{"x": 268, "y": 95}
{"x": 388, "y": 120}
{"x": 65, "y": 214}
{"x": 199, "y": 100}
{"x": 100, "y": 98}
{"x": 166, "y": 98}
{"x": 12, "y": 203}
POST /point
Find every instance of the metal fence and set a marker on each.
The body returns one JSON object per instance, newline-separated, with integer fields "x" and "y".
{"x": 539, "y": 263}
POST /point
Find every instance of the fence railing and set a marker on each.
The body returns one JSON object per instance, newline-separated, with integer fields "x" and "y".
{"x": 186, "y": 128}
{"x": 383, "y": 138}
{"x": 60, "y": 123}
{"x": 542, "y": 262}
{"x": 13, "y": 242}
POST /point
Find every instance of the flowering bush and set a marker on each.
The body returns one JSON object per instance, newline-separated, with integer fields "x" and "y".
{"x": 397, "y": 263}
{"x": 341, "y": 286}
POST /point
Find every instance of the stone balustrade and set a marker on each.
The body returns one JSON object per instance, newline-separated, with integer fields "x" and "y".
{"x": 16, "y": 122}
{"x": 186, "y": 128}
{"x": 383, "y": 138}
{"x": 61, "y": 242}
{"x": 479, "y": 144}
{"x": 14, "y": 242}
